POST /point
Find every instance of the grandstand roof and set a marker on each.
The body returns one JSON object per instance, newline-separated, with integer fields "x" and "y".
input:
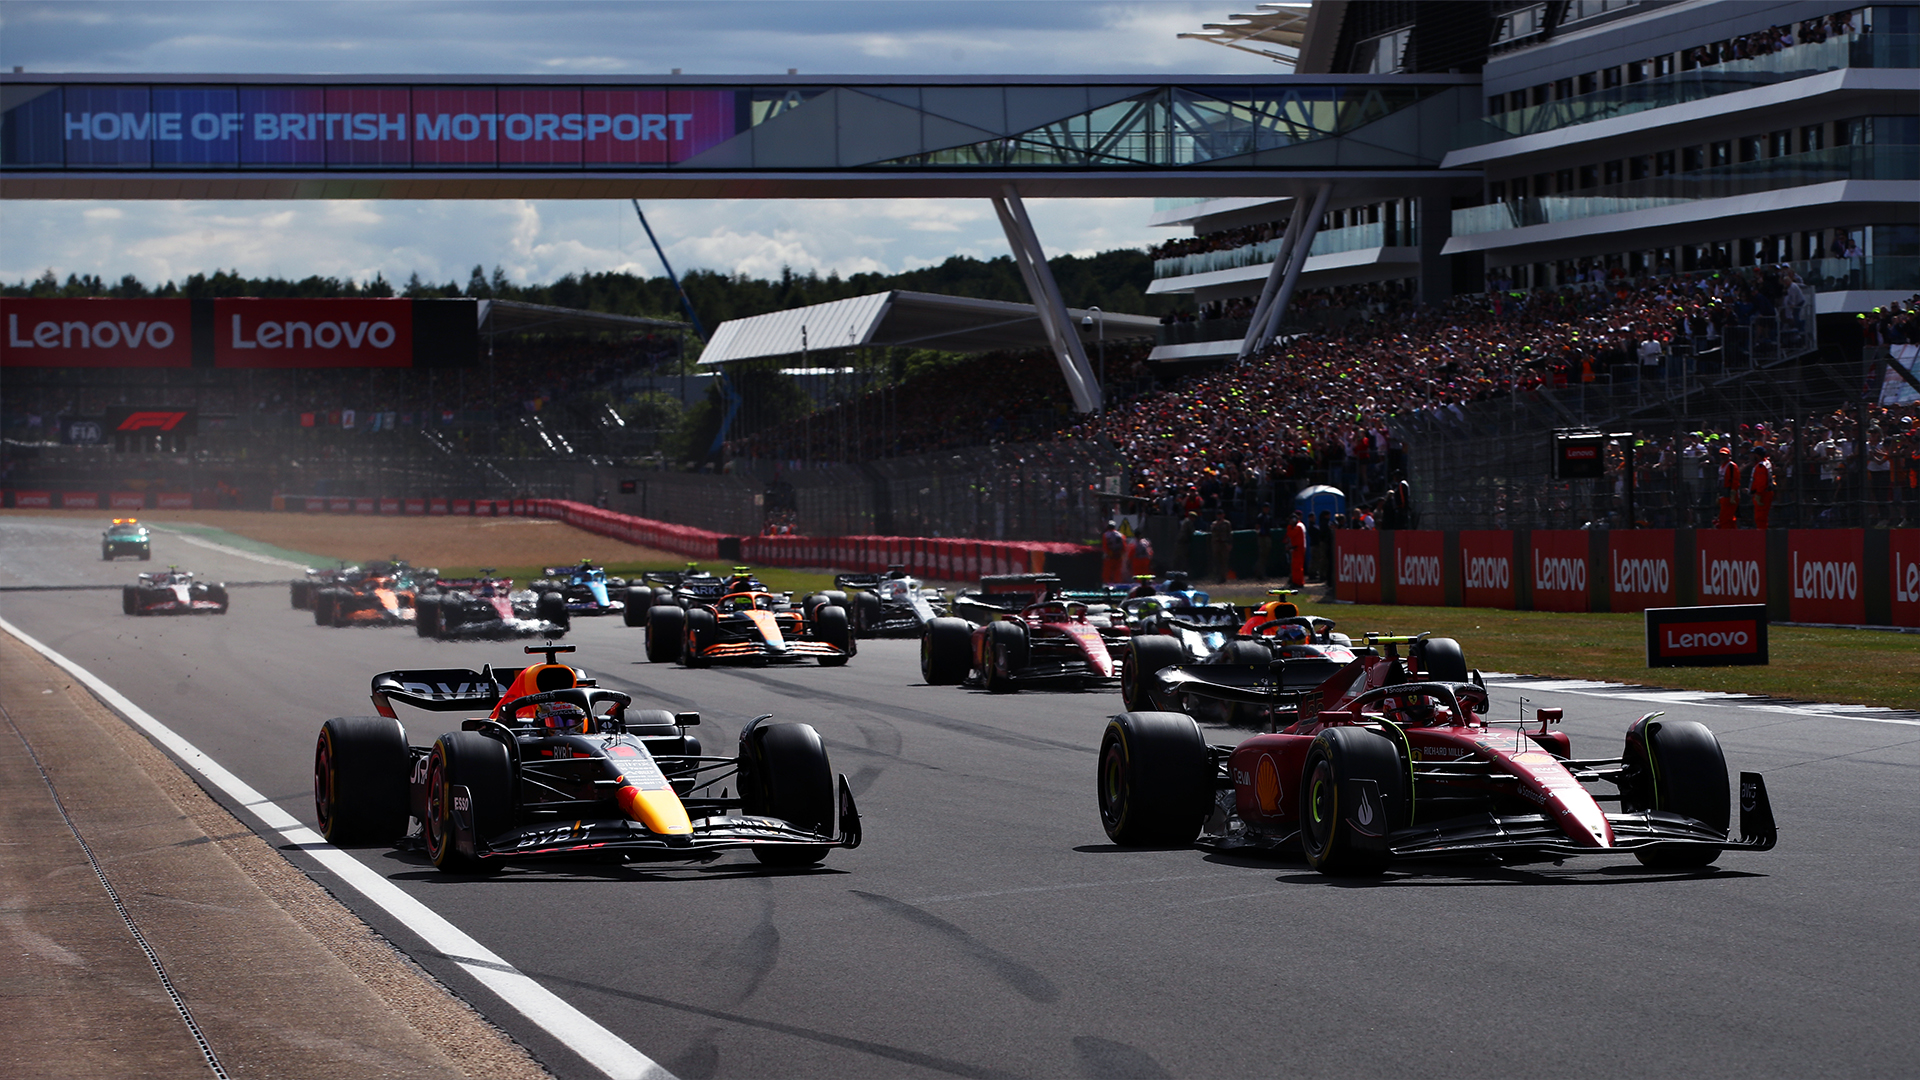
{"x": 515, "y": 317}
{"x": 1284, "y": 25}
{"x": 925, "y": 320}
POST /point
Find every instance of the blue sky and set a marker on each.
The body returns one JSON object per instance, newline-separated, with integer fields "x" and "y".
{"x": 540, "y": 240}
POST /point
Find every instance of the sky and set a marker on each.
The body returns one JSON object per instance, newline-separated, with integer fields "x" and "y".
{"x": 540, "y": 240}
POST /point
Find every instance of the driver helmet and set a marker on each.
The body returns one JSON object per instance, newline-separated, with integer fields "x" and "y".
{"x": 560, "y": 718}
{"x": 1291, "y": 633}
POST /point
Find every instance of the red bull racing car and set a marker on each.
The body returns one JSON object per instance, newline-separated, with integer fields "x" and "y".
{"x": 1378, "y": 762}
{"x": 173, "y": 591}
{"x": 549, "y": 765}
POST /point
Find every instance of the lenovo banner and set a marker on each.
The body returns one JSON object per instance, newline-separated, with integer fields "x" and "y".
{"x": 1707, "y": 636}
{"x": 1486, "y": 568}
{"x": 96, "y": 333}
{"x": 174, "y": 500}
{"x": 1356, "y": 554}
{"x": 1417, "y": 568}
{"x": 312, "y": 333}
{"x": 1823, "y": 576}
{"x": 1640, "y": 568}
{"x": 1558, "y": 563}
{"x": 1904, "y": 555}
{"x": 1730, "y": 566}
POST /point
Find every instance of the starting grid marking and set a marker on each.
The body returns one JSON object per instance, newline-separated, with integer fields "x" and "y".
{"x": 1872, "y": 714}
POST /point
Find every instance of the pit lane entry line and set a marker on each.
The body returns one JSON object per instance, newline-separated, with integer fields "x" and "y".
{"x": 601, "y": 1048}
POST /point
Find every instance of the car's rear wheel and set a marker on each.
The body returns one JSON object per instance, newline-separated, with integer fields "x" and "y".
{"x": 1151, "y": 653}
{"x": 830, "y": 626}
{"x": 297, "y": 592}
{"x": 323, "y": 607}
{"x": 360, "y": 767}
{"x": 1155, "y": 783}
{"x": 479, "y": 764}
{"x": 785, "y": 774}
{"x": 945, "y": 651}
{"x": 1342, "y": 839}
{"x": 218, "y": 594}
{"x": 553, "y": 608}
{"x": 426, "y": 617}
{"x": 639, "y": 603}
{"x": 1441, "y": 660}
{"x": 666, "y": 632}
{"x": 1676, "y": 766}
{"x": 866, "y": 612}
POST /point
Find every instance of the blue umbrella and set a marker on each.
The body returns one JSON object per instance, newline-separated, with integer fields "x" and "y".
{"x": 1309, "y": 501}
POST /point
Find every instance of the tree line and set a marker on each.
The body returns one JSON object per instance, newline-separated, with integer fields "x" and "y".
{"x": 1111, "y": 280}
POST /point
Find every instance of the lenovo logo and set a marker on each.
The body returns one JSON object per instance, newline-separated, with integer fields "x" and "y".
{"x": 1486, "y": 572}
{"x": 1825, "y": 580}
{"x": 1359, "y": 568}
{"x": 1707, "y": 639}
{"x": 1737, "y": 578}
{"x": 1419, "y": 570}
{"x": 1559, "y": 574}
{"x": 1641, "y": 575}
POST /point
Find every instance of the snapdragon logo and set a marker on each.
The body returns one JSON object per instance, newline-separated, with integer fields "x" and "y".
{"x": 1641, "y": 575}
{"x": 1487, "y": 571}
{"x": 1825, "y": 580}
{"x": 322, "y": 335}
{"x": 1556, "y": 574}
{"x": 1359, "y": 567}
{"x": 1419, "y": 570}
{"x": 1729, "y": 577}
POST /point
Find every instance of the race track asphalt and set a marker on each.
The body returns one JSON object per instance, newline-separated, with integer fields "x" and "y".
{"x": 988, "y": 928}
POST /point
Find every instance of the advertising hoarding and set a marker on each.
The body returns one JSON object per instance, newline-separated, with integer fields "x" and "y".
{"x": 1903, "y": 555}
{"x": 251, "y": 333}
{"x": 1715, "y": 636}
{"x": 1640, "y": 569}
{"x": 1486, "y": 568}
{"x": 1730, "y": 566}
{"x": 1356, "y": 554}
{"x": 1418, "y": 568}
{"x": 1824, "y": 576}
{"x": 92, "y": 333}
{"x": 1557, "y": 565}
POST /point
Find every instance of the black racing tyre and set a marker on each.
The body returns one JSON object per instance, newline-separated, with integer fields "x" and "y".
{"x": 360, "y": 777}
{"x": 323, "y": 607}
{"x": 784, "y": 773}
{"x": 129, "y": 600}
{"x": 1676, "y": 766}
{"x": 297, "y": 591}
{"x": 666, "y": 632}
{"x": 639, "y": 602}
{"x": 1005, "y": 654}
{"x": 700, "y": 627}
{"x": 426, "y": 617}
{"x": 1151, "y": 653}
{"x": 946, "y": 651}
{"x": 471, "y": 760}
{"x": 1155, "y": 781}
{"x": 836, "y": 596}
{"x": 1441, "y": 660}
{"x": 1240, "y": 714}
{"x": 866, "y": 612}
{"x": 552, "y": 607}
{"x": 1327, "y": 834}
{"x": 218, "y": 594}
{"x": 830, "y": 626}
{"x": 105, "y": 555}
{"x": 664, "y": 596}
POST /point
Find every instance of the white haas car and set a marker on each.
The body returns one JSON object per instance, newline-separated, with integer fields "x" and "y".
{"x": 173, "y": 591}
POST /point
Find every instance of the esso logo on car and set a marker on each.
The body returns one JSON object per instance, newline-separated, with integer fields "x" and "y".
{"x": 1641, "y": 575}
{"x": 1419, "y": 570}
{"x": 1486, "y": 571}
{"x": 1359, "y": 567}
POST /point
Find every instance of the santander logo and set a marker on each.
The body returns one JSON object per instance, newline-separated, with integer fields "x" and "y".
{"x": 1729, "y": 577}
{"x": 1559, "y": 574}
{"x": 1825, "y": 580}
{"x": 1487, "y": 571}
{"x": 1418, "y": 569}
{"x": 1641, "y": 575}
{"x": 1359, "y": 567}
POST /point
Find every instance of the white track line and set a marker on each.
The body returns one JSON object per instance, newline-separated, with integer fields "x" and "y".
{"x": 226, "y": 550}
{"x": 601, "y": 1048}
{"x": 1713, "y": 699}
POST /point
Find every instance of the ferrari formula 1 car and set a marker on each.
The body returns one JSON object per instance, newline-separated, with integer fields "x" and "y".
{"x": 749, "y": 627}
{"x": 126, "y": 536}
{"x": 1045, "y": 641}
{"x": 551, "y": 766}
{"x": 890, "y": 603}
{"x": 586, "y": 588}
{"x": 173, "y": 591}
{"x": 383, "y": 593}
{"x": 1409, "y": 769}
{"x": 489, "y": 607}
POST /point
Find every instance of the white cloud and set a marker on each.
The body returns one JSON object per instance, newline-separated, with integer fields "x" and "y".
{"x": 542, "y": 240}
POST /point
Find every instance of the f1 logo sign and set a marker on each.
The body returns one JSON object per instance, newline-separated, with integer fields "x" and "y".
{"x": 164, "y": 421}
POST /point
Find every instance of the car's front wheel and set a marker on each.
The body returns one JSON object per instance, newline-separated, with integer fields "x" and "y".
{"x": 1676, "y": 766}
{"x": 1350, "y": 801}
{"x": 1155, "y": 783}
{"x": 786, "y": 775}
{"x": 466, "y": 766}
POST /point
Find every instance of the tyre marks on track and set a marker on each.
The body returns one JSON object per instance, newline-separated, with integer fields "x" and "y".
{"x": 1026, "y": 981}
